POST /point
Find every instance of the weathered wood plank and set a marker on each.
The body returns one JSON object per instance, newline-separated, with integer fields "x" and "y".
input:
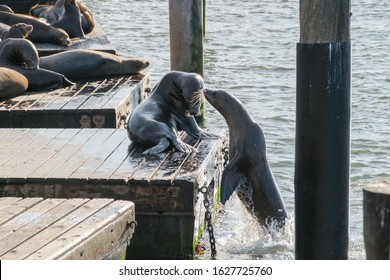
{"x": 67, "y": 95}
{"x": 113, "y": 162}
{"x": 72, "y": 164}
{"x": 6, "y": 201}
{"x": 28, "y": 215}
{"x": 92, "y": 238}
{"x": 64, "y": 154}
{"x": 16, "y": 208}
{"x": 44, "y": 154}
{"x": 12, "y": 240}
{"x": 102, "y": 94}
{"x": 27, "y": 153}
{"x": 56, "y": 229}
{"x": 9, "y": 139}
{"x": 102, "y": 152}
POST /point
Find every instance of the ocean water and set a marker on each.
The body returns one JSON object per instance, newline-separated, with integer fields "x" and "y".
{"x": 250, "y": 51}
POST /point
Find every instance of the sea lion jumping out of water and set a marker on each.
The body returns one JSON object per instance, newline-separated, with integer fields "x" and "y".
{"x": 22, "y": 56}
{"x": 42, "y": 32}
{"x": 82, "y": 64}
{"x": 248, "y": 164}
{"x": 171, "y": 106}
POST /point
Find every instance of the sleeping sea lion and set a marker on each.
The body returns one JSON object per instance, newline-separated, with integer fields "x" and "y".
{"x": 42, "y": 32}
{"x": 19, "y": 30}
{"x": 22, "y": 56}
{"x": 81, "y": 64}
{"x": 12, "y": 83}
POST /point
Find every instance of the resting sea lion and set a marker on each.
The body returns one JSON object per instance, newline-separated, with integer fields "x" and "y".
{"x": 22, "y": 56}
{"x": 42, "y": 32}
{"x": 5, "y": 8}
{"x": 81, "y": 64}
{"x": 51, "y": 13}
{"x": 12, "y": 83}
{"x": 248, "y": 163}
{"x": 54, "y": 13}
{"x": 71, "y": 20}
{"x": 170, "y": 107}
{"x": 19, "y": 30}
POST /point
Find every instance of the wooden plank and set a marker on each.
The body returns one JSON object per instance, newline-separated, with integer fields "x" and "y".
{"x": 82, "y": 95}
{"x": 60, "y": 157}
{"x": 16, "y": 208}
{"x": 56, "y": 229}
{"x": 27, "y": 153}
{"x": 45, "y": 153}
{"x": 6, "y": 201}
{"x": 4, "y": 132}
{"x": 103, "y": 151}
{"x": 12, "y": 240}
{"x": 121, "y": 94}
{"x": 133, "y": 161}
{"x": 9, "y": 139}
{"x": 67, "y": 95}
{"x": 28, "y": 215}
{"x": 83, "y": 153}
{"x": 93, "y": 237}
{"x": 101, "y": 96}
{"x": 21, "y": 142}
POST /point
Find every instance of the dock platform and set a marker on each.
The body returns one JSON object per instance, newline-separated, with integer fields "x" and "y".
{"x": 50, "y": 229}
{"x": 102, "y": 163}
{"x": 96, "y": 40}
{"x": 104, "y": 103}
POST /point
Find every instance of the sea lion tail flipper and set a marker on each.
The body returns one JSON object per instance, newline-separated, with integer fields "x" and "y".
{"x": 231, "y": 179}
{"x": 161, "y": 146}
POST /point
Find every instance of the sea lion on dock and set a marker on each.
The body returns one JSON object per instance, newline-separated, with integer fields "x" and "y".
{"x": 51, "y": 13}
{"x": 71, "y": 20}
{"x": 22, "y": 56}
{"x": 82, "y": 64}
{"x": 171, "y": 106}
{"x": 12, "y": 83}
{"x": 5, "y": 8}
{"x": 19, "y": 30}
{"x": 42, "y": 32}
{"x": 248, "y": 164}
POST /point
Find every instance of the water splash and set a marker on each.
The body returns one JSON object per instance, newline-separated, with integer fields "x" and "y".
{"x": 238, "y": 235}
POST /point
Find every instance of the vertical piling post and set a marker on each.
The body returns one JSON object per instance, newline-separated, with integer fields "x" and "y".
{"x": 186, "y": 39}
{"x": 322, "y": 148}
{"x": 186, "y": 35}
{"x": 376, "y": 220}
{"x": 204, "y": 17}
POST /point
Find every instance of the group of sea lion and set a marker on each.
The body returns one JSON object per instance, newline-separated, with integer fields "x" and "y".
{"x": 171, "y": 107}
{"x": 64, "y": 20}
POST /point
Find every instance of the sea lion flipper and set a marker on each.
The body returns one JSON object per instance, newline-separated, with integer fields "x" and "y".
{"x": 231, "y": 179}
{"x": 161, "y": 146}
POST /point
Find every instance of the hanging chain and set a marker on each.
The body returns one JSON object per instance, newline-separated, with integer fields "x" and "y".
{"x": 225, "y": 152}
{"x": 205, "y": 190}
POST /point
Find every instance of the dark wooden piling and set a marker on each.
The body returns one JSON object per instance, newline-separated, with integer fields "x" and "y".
{"x": 376, "y": 220}
{"x": 186, "y": 39}
{"x": 322, "y": 155}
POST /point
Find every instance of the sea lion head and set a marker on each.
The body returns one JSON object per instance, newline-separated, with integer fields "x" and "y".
{"x": 18, "y": 30}
{"x": 19, "y": 52}
{"x": 222, "y": 101}
{"x": 62, "y": 37}
{"x": 192, "y": 87}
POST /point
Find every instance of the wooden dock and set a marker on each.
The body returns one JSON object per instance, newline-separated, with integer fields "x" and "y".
{"x": 96, "y": 40}
{"x": 102, "y": 163}
{"x": 104, "y": 103}
{"x": 49, "y": 229}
